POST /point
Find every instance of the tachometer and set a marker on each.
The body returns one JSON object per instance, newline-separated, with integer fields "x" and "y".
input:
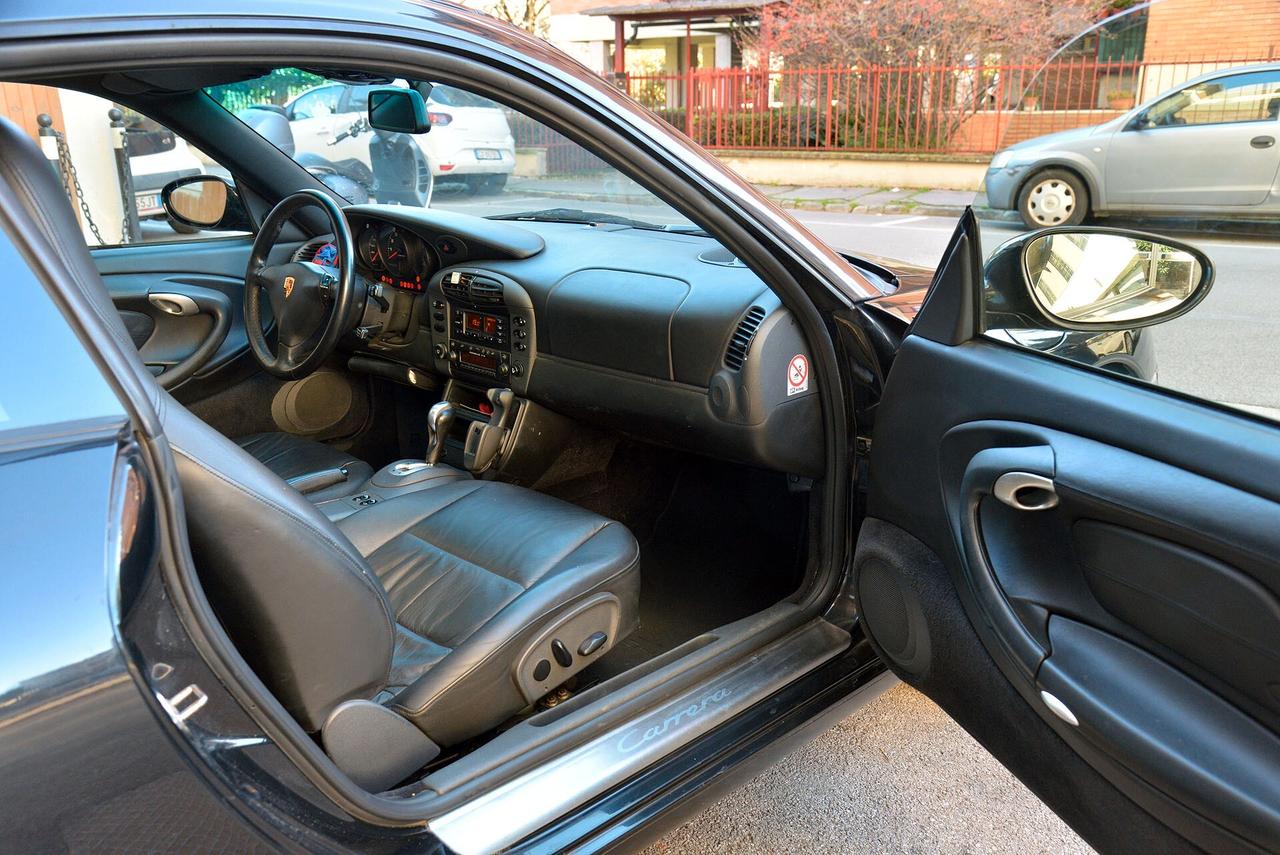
{"x": 398, "y": 255}
{"x": 367, "y": 245}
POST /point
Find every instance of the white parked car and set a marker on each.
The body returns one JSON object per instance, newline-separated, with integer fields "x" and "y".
{"x": 470, "y": 138}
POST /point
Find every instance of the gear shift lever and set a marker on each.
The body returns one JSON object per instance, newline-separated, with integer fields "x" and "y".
{"x": 439, "y": 418}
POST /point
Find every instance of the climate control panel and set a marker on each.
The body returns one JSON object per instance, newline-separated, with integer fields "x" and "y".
{"x": 481, "y": 327}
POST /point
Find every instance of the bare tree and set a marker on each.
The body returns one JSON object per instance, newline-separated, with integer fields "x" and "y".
{"x": 908, "y": 32}
{"x": 529, "y": 15}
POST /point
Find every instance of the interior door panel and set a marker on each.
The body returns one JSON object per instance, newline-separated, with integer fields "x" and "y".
{"x": 211, "y": 274}
{"x": 1114, "y": 549}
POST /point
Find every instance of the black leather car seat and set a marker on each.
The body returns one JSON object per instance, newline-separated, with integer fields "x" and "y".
{"x": 316, "y": 470}
{"x": 451, "y": 608}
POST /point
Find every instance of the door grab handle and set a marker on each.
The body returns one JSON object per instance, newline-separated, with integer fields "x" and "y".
{"x": 173, "y": 304}
{"x": 1025, "y": 491}
{"x": 1058, "y": 708}
{"x": 1262, "y": 142}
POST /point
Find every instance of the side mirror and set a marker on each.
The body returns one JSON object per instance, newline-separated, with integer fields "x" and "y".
{"x": 399, "y": 111}
{"x": 1093, "y": 279}
{"x": 205, "y": 202}
{"x": 1139, "y": 122}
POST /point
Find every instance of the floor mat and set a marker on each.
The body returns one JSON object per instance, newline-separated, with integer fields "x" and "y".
{"x": 728, "y": 542}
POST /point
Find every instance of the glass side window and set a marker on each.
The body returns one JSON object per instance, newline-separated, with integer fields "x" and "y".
{"x": 316, "y": 104}
{"x": 116, "y": 198}
{"x": 479, "y": 157}
{"x": 1240, "y": 98}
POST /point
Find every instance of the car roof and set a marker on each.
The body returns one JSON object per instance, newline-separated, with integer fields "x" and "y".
{"x": 1228, "y": 72}
{"x": 42, "y": 18}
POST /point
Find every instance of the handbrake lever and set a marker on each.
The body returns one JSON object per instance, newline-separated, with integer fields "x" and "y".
{"x": 485, "y": 439}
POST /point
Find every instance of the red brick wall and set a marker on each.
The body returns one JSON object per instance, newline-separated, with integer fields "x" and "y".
{"x": 1190, "y": 30}
{"x": 988, "y": 131}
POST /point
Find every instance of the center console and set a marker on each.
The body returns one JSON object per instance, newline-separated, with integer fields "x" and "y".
{"x": 482, "y": 328}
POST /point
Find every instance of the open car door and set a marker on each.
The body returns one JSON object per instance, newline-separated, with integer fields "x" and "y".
{"x": 1081, "y": 569}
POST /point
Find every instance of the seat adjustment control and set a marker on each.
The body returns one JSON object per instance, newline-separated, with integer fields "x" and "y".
{"x": 542, "y": 670}
{"x": 561, "y": 653}
{"x": 592, "y": 643}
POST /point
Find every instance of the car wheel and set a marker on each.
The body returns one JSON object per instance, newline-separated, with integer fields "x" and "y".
{"x": 1053, "y": 197}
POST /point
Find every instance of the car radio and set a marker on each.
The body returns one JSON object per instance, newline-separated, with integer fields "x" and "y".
{"x": 484, "y": 327}
{"x": 482, "y": 360}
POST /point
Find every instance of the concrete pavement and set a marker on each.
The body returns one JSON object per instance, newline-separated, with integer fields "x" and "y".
{"x": 864, "y": 200}
{"x": 898, "y": 776}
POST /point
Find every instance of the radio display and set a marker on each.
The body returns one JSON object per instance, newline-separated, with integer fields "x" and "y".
{"x": 483, "y": 361}
{"x": 478, "y": 322}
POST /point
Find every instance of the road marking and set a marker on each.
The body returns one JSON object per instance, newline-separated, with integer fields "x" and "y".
{"x": 894, "y": 223}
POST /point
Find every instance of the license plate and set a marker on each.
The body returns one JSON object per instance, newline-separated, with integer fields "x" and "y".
{"x": 488, "y": 154}
{"x": 149, "y": 203}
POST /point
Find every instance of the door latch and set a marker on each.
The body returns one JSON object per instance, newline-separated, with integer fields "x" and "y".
{"x": 1026, "y": 491}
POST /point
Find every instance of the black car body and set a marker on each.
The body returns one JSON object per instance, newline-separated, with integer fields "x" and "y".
{"x": 130, "y": 717}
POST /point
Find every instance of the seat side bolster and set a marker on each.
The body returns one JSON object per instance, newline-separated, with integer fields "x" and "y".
{"x": 474, "y": 688}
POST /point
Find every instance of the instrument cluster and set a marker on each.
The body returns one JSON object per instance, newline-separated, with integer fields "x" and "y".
{"x": 396, "y": 256}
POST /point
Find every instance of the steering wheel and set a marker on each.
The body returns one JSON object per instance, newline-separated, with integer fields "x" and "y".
{"x": 312, "y": 304}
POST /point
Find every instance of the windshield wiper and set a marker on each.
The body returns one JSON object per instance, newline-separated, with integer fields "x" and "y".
{"x": 591, "y": 218}
{"x": 575, "y": 215}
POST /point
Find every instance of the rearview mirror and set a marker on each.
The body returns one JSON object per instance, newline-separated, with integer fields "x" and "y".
{"x": 401, "y": 111}
{"x": 204, "y": 202}
{"x": 1093, "y": 279}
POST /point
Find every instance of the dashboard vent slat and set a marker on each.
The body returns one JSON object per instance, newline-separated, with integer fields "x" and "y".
{"x": 308, "y": 251}
{"x": 735, "y": 355}
{"x": 486, "y": 290}
{"x": 458, "y": 285}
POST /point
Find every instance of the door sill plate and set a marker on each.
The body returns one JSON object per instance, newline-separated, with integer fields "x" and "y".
{"x": 516, "y": 809}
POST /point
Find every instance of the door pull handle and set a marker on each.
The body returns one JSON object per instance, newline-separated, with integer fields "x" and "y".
{"x": 1026, "y": 491}
{"x": 1262, "y": 142}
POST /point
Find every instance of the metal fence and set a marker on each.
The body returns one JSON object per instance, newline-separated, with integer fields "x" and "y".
{"x": 941, "y": 109}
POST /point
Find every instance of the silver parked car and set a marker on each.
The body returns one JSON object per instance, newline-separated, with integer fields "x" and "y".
{"x": 1206, "y": 147}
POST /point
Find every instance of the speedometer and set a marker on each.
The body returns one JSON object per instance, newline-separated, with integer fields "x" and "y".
{"x": 367, "y": 245}
{"x": 397, "y": 253}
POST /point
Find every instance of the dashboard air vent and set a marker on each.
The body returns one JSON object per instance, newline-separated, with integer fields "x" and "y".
{"x": 486, "y": 290}
{"x": 308, "y": 251}
{"x": 457, "y": 285}
{"x": 740, "y": 345}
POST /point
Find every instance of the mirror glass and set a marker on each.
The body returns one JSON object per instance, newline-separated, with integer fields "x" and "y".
{"x": 202, "y": 202}
{"x": 1098, "y": 278}
{"x": 399, "y": 111}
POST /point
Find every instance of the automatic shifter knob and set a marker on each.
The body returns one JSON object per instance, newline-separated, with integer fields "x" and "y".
{"x": 439, "y": 417}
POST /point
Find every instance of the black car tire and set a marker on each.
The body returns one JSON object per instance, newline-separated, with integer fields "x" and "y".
{"x": 1053, "y": 197}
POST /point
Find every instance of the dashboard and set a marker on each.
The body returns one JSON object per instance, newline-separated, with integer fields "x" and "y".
{"x": 661, "y": 335}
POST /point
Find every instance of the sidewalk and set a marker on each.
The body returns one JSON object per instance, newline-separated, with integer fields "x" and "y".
{"x": 864, "y": 200}
{"x": 871, "y": 200}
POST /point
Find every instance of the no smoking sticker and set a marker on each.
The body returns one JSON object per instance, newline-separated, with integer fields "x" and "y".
{"x": 798, "y": 375}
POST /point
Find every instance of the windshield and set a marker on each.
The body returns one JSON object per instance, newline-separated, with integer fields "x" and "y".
{"x": 479, "y": 157}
